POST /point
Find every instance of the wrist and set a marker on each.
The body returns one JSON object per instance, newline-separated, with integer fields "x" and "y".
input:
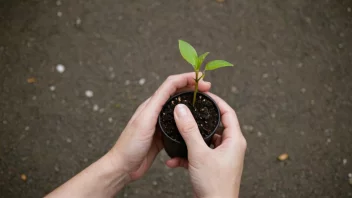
{"x": 112, "y": 170}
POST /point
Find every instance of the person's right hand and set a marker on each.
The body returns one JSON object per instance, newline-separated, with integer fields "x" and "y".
{"x": 214, "y": 172}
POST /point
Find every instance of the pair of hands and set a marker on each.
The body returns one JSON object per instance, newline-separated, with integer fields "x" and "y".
{"x": 214, "y": 172}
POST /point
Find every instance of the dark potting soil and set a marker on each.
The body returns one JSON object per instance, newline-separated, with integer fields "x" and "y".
{"x": 204, "y": 112}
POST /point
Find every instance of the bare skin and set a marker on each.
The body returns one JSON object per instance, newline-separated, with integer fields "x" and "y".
{"x": 140, "y": 142}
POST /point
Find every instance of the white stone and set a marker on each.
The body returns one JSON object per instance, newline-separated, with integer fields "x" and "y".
{"x": 265, "y": 75}
{"x": 110, "y": 119}
{"x": 89, "y": 93}
{"x": 78, "y": 21}
{"x": 299, "y": 65}
{"x": 95, "y": 107}
{"x": 4, "y": 122}
{"x": 68, "y": 140}
{"x": 259, "y": 134}
{"x": 350, "y": 175}
{"x": 26, "y": 128}
{"x": 60, "y": 68}
{"x": 234, "y": 89}
{"x": 344, "y": 161}
{"x": 58, "y": 2}
{"x": 303, "y": 90}
{"x": 141, "y": 81}
{"x": 155, "y": 183}
{"x": 127, "y": 82}
{"x": 52, "y": 88}
{"x": 349, "y": 9}
{"x": 59, "y": 14}
{"x": 34, "y": 97}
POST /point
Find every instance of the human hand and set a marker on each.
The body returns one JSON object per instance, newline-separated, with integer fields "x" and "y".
{"x": 214, "y": 172}
{"x": 139, "y": 143}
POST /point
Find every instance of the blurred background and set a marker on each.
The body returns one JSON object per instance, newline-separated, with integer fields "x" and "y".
{"x": 73, "y": 72}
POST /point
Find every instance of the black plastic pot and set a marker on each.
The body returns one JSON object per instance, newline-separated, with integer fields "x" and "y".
{"x": 175, "y": 148}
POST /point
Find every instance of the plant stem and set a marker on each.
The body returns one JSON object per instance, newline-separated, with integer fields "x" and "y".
{"x": 195, "y": 89}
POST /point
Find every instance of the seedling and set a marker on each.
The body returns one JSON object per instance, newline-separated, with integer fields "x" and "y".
{"x": 191, "y": 56}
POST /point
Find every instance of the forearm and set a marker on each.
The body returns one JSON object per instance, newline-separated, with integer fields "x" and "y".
{"x": 101, "y": 179}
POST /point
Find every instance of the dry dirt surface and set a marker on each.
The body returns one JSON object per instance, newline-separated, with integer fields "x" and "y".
{"x": 73, "y": 72}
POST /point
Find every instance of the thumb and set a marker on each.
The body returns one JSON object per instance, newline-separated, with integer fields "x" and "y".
{"x": 188, "y": 128}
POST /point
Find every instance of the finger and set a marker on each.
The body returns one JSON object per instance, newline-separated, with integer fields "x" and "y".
{"x": 188, "y": 128}
{"x": 216, "y": 141}
{"x": 228, "y": 118}
{"x": 167, "y": 89}
{"x": 177, "y": 162}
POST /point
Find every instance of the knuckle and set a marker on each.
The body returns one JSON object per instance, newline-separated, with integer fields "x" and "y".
{"x": 171, "y": 78}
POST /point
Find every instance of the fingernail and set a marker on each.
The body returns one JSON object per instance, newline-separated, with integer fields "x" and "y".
{"x": 181, "y": 110}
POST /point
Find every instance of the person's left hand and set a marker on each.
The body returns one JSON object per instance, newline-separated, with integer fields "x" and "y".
{"x": 139, "y": 143}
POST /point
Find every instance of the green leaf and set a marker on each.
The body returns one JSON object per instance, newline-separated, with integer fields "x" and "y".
{"x": 188, "y": 53}
{"x": 215, "y": 64}
{"x": 201, "y": 59}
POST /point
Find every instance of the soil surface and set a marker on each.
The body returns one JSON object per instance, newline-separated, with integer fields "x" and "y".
{"x": 291, "y": 88}
{"x": 204, "y": 112}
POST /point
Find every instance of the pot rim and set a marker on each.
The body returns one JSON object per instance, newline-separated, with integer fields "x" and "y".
{"x": 185, "y": 92}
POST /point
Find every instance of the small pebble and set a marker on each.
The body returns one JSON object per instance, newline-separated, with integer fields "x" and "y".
{"x": 155, "y": 183}
{"x": 273, "y": 115}
{"x": 95, "y": 107}
{"x": 68, "y": 140}
{"x": 239, "y": 48}
{"x": 127, "y": 82}
{"x": 248, "y": 127}
{"x": 141, "y": 81}
{"x": 328, "y": 140}
{"x": 85, "y": 160}
{"x": 52, "y": 88}
{"x": 312, "y": 102}
{"x": 299, "y": 65}
{"x": 171, "y": 174}
{"x": 283, "y": 157}
{"x": 110, "y": 119}
{"x": 344, "y": 161}
{"x": 279, "y": 80}
{"x": 78, "y": 21}
{"x": 26, "y": 128}
{"x": 340, "y": 45}
{"x": 265, "y": 75}
{"x": 350, "y": 175}
{"x": 125, "y": 195}
{"x": 259, "y": 134}
{"x": 59, "y": 14}
{"x": 4, "y": 122}
{"x": 349, "y": 9}
{"x": 60, "y": 68}
{"x": 58, "y": 2}
{"x": 89, "y": 93}
{"x": 101, "y": 110}
{"x": 34, "y": 97}
{"x": 23, "y": 177}
{"x": 57, "y": 169}
{"x": 234, "y": 89}
{"x": 303, "y": 90}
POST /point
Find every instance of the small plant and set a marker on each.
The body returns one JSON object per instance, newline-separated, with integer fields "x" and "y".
{"x": 191, "y": 56}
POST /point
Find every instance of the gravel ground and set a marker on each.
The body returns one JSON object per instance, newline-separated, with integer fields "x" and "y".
{"x": 72, "y": 73}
